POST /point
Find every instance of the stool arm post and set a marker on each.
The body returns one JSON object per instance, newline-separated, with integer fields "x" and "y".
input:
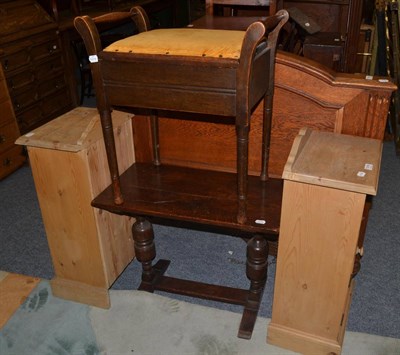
{"x": 273, "y": 25}
{"x": 86, "y": 27}
{"x": 139, "y": 16}
{"x": 253, "y": 36}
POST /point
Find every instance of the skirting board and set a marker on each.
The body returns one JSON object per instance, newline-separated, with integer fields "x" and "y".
{"x": 80, "y": 292}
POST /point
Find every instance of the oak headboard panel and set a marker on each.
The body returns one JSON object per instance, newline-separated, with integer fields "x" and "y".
{"x": 306, "y": 95}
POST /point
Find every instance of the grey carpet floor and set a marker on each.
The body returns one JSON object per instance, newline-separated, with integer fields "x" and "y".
{"x": 218, "y": 258}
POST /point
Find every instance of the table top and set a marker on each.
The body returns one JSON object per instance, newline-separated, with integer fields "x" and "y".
{"x": 335, "y": 160}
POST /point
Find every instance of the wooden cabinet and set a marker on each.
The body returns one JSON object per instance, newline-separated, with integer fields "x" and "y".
{"x": 89, "y": 247}
{"x": 31, "y": 55}
{"x": 326, "y": 180}
{"x": 11, "y": 155}
{"x": 339, "y": 19}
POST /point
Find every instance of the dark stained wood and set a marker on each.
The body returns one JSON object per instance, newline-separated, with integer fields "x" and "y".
{"x": 31, "y": 56}
{"x": 341, "y": 17}
{"x": 218, "y": 86}
{"x": 11, "y": 155}
{"x": 195, "y": 195}
{"x": 222, "y": 89}
{"x": 153, "y": 276}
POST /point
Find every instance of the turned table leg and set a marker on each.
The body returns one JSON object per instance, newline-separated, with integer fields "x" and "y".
{"x": 143, "y": 237}
{"x": 242, "y": 133}
{"x": 256, "y": 271}
{"x": 145, "y": 250}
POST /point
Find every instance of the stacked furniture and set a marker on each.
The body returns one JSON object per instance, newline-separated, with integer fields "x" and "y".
{"x": 214, "y": 74}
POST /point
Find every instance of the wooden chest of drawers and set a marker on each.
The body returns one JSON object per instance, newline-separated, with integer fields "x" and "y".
{"x": 31, "y": 55}
{"x": 11, "y": 156}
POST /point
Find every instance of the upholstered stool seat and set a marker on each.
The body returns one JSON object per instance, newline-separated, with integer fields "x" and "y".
{"x": 183, "y": 42}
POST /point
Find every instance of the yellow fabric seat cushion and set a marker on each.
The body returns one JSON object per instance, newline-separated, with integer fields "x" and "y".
{"x": 183, "y": 42}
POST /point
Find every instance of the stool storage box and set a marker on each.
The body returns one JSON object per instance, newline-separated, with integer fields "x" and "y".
{"x": 89, "y": 247}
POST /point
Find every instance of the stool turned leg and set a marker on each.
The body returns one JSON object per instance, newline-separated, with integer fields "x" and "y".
{"x": 242, "y": 133}
{"x": 108, "y": 133}
{"x": 266, "y": 141}
{"x": 256, "y": 271}
{"x": 155, "y": 137}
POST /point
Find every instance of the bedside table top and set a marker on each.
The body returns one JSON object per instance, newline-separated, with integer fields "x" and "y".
{"x": 74, "y": 131}
{"x": 335, "y": 160}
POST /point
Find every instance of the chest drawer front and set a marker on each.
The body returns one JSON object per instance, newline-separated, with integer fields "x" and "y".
{"x": 50, "y": 86}
{"x": 23, "y": 100}
{"x": 41, "y": 51}
{"x": 49, "y": 68}
{"x": 20, "y": 80}
{"x": 10, "y": 160}
{"x": 8, "y": 134}
{"x": 30, "y": 118}
{"x": 56, "y": 103}
{"x": 6, "y": 112}
{"x": 15, "y": 57}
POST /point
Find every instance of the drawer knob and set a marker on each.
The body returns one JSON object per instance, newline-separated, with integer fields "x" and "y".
{"x": 2, "y": 138}
{"x": 7, "y": 162}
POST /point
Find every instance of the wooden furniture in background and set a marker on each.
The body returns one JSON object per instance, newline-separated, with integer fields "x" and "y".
{"x": 233, "y": 19}
{"x": 11, "y": 155}
{"x": 393, "y": 16}
{"x": 89, "y": 247}
{"x": 242, "y": 7}
{"x": 217, "y": 74}
{"x": 32, "y": 61}
{"x": 326, "y": 180}
{"x": 341, "y": 19}
{"x": 165, "y": 13}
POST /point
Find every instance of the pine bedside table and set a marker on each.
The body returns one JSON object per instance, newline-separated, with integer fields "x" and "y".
{"x": 326, "y": 180}
{"x": 89, "y": 247}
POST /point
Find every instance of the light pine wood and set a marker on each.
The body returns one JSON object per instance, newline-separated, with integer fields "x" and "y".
{"x": 80, "y": 292}
{"x": 89, "y": 247}
{"x": 335, "y": 160}
{"x": 318, "y": 241}
{"x": 72, "y": 132}
{"x": 14, "y": 289}
{"x": 315, "y": 260}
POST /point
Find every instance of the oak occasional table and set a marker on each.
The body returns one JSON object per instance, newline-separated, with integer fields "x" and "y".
{"x": 326, "y": 180}
{"x": 89, "y": 247}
